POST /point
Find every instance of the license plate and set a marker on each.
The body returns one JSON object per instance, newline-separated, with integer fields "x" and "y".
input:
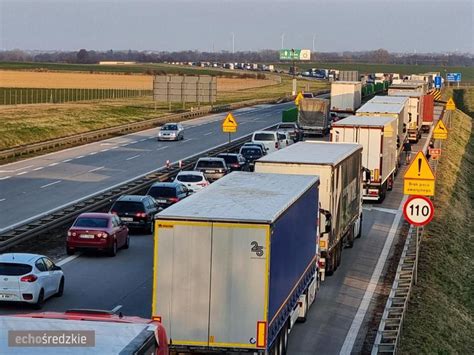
{"x": 87, "y": 236}
{"x": 211, "y": 171}
{"x": 4, "y": 296}
{"x": 161, "y": 201}
{"x": 126, "y": 219}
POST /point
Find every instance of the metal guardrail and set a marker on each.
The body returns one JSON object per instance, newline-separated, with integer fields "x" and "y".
{"x": 63, "y": 215}
{"x": 388, "y": 335}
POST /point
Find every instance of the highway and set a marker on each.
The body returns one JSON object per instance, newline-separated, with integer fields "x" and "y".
{"x": 40, "y": 185}
{"x": 337, "y": 322}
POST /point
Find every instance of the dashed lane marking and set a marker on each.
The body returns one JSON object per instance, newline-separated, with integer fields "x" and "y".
{"x": 135, "y": 156}
{"x": 50, "y": 184}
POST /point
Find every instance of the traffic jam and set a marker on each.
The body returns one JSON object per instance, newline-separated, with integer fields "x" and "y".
{"x": 273, "y": 218}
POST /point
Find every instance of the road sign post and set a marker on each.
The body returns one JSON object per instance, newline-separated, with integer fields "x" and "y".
{"x": 419, "y": 178}
{"x": 418, "y": 210}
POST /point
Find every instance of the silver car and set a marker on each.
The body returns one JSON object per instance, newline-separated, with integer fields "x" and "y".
{"x": 171, "y": 132}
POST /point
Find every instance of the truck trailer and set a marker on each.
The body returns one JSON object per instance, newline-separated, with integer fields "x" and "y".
{"x": 313, "y": 116}
{"x": 346, "y": 96}
{"x": 339, "y": 167}
{"x": 236, "y": 264}
{"x": 428, "y": 112}
{"x": 378, "y": 137}
{"x": 415, "y": 112}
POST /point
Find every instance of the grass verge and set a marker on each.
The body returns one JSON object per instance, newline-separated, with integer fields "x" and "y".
{"x": 441, "y": 309}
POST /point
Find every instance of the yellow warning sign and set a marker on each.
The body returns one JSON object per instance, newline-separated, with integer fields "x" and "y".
{"x": 419, "y": 178}
{"x": 450, "y": 105}
{"x": 230, "y": 124}
{"x": 440, "y": 131}
{"x": 298, "y": 98}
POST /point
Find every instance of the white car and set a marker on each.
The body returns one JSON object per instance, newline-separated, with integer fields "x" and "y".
{"x": 29, "y": 278}
{"x": 194, "y": 180}
{"x": 171, "y": 132}
{"x": 285, "y": 139}
{"x": 271, "y": 139}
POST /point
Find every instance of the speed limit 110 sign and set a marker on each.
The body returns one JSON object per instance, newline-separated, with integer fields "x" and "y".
{"x": 418, "y": 210}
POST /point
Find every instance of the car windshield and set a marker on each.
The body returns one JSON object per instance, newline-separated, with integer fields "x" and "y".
{"x": 264, "y": 137}
{"x": 230, "y": 159}
{"x": 92, "y": 222}
{"x": 127, "y": 207}
{"x": 162, "y": 191}
{"x": 213, "y": 164}
{"x": 247, "y": 152}
{"x": 13, "y": 269}
{"x": 189, "y": 178}
{"x": 169, "y": 128}
{"x": 286, "y": 126}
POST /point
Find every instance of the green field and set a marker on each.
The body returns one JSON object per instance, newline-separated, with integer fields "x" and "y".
{"x": 467, "y": 72}
{"x": 21, "y": 96}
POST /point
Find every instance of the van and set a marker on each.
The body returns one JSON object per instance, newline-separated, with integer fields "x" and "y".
{"x": 270, "y": 139}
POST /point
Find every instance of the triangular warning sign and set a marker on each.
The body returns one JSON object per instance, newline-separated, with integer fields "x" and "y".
{"x": 299, "y": 97}
{"x": 440, "y": 128}
{"x": 450, "y": 105}
{"x": 419, "y": 169}
{"x": 230, "y": 121}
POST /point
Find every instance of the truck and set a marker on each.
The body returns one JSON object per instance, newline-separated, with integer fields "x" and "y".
{"x": 428, "y": 113}
{"x": 112, "y": 333}
{"x": 389, "y": 106}
{"x": 289, "y": 115}
{"x": 236, "y": 264}
{"x": 313, "y": 116}
{"x": 378, "y": 137}
{"x": 339, "y": 167}
{"x": 346, "y": 96}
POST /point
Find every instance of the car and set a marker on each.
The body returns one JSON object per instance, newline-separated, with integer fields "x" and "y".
{"x": 251, "y": 153}
{"x": 136, "y": 211}
{"x": 258, "y": 144}
{"x": 29, "y": 278}
{"x": 308, "y": 95}
{"x": 213, "y": 168}
{"x": 194, "y": 180}
{"x": 171, "y": 132}
{"x": 97, "y": 231}
{"x": 285, "y": 139}
{"x": 235, "y": 161}
{"x": 270, "y": 139}
{"x": 168, "y": 193}
{"x": 295, "y": 131}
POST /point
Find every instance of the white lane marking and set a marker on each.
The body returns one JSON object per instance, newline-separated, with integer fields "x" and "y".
{"x": 369, "y": 291}
{"x": 188, "y": 139}
{"x": 51, "y": 183}
{"x": 38, "y": 168}
{"x": 68, "y": 259}
{"x": 53, "y": 164}
{"x": 114, "y": 148}
{"x": 132, "y": 142}
{"x": 22, "y": 173}
{"x": 381, "y": 209}
{"x": 142, "y": 140}
{"x": 15, "y": 170}
{"x": 79, "y": 157}
{"x": 208, "y": 133}
{"x": 105, "y": 150}
{"x": 101, "y": 167}
{"x": 93, "y": 153}
{"x": 106, "y": 143}
{"x": 165, "y": 147}
{"x": 14, "y": 225}
{"x": 135, "y": 156}
{"x": 67, "y": 160}
{"x": 2, "y": 199}
{"x": 5, "y": 177}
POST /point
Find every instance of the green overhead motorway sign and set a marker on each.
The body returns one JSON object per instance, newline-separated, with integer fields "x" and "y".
{"x": 295, "y": 54}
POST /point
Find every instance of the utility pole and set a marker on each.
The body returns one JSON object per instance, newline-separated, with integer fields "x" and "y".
{"x": 282, "y": 40}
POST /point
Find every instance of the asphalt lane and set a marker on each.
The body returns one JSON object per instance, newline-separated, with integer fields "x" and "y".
{"x": 35, "y": 186}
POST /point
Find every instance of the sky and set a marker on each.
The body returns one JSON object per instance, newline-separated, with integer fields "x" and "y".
{"x": 207, "y": 25}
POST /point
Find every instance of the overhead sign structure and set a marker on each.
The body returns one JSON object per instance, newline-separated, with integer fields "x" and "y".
{"x": 418, "y": 210}
{"x": 295, "y": 54}
{"x": 299, "y": 97}
{"x": 435, "y": 153}
{"x": 440, "y": 131}
{"x": 419, "y": 178}
{"x": 230, "y": 124}
{"x": 453, "y": 77}
{"x": 437, "y": 82}
{"x": 450, "y": 105}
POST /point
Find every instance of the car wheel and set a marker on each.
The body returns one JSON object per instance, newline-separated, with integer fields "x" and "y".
{"x": 127, "y": 242}
{"x": 60, "y": 288}
{"x": 113, "y": 250}
{"x": 40, "y": 301}
{"x": 69, "y": 251}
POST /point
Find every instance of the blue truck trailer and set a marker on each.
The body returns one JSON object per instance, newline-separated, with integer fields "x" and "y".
{"x": 235, "y": 265}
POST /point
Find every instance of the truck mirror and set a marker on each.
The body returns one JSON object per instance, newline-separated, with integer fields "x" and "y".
{"x": 366, "y": 174}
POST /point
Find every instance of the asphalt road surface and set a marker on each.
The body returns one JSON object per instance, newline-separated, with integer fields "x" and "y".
{"x": 39, "y": 185}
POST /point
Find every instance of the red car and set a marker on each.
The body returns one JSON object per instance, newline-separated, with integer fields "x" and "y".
{"x": 97, "y": 231}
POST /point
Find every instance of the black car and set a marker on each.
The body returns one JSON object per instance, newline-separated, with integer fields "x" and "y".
{"x": 235, "y": 162}
{"x": 251, "y": 153}
{"x": 168, "y": 193}
{"x": 136, "y": 211}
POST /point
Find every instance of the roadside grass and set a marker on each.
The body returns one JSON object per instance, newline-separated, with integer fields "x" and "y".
{"x": 463, "y": 98}
{"x": 27, "y": 124}
{"x": 440, "y": 317}
{"x": 467, "y": 72}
